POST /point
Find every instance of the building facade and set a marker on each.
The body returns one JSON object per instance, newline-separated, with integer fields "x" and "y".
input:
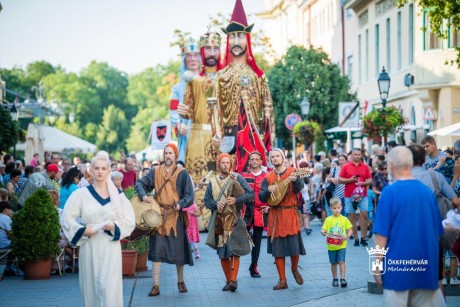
{"x": 362, "y": 37}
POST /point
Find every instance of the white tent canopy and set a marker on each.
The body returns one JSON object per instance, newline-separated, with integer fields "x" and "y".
{"x": 152, "y": 154}
{"x": 41, "y": 138}
{"x": 341, "y": 129}
{"x": 452, "y": 130}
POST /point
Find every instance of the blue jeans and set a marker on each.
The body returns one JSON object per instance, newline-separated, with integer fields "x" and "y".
{"x": 362, "y": 205}
{"x": 337, "y": 255}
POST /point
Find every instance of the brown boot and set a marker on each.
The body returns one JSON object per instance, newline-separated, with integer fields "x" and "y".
{"x": 182, "y": 287}
{"x": 155, "y": 291}
{"x": 233, "y": 285}
{"x": 282, "y": 284}
{"x": 298, "y": 278}
{"x": 226, "y": 287}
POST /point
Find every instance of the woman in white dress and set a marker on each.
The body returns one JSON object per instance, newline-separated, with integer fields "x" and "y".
{"x": 96, "y": 218}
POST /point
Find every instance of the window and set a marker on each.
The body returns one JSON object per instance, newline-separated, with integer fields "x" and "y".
{"x": 399, "y": 43}
{"x": 350, "y": 68}
{"x": 430, "y": 40}
{"x": 388, "y": 34}
{"x": 411, "y": 34}
{"x": 359, "y": 59}
{"x": 366, "y": 67}
{"x": 377, "y": 50}
{"x": 454, "y": 37}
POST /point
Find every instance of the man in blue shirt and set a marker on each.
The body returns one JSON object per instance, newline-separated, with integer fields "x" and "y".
{"x": 408, "y": 226}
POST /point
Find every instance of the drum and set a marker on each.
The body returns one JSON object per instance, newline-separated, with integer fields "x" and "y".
{"x": 334, "y": 240}
{"x": 148, "y": 215}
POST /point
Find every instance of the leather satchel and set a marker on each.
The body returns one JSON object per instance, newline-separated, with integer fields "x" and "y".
{"x": 211, "y": 238}
{"x": 238, "y": 242}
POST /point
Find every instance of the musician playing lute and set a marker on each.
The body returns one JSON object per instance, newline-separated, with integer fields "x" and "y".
{"x": 283, "y": 229}
{"x": 226, "y": 194}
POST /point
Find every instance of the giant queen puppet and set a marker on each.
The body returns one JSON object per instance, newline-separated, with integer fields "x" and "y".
{"x": 201, "y": 154}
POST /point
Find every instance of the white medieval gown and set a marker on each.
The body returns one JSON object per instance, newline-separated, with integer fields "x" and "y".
{"x": 100, "y": 268}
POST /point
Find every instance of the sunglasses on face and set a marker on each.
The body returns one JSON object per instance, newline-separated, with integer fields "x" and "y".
{"x": 383, "y": 169}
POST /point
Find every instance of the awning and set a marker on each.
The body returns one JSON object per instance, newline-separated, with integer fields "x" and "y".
{"x": 341, "y": 129}
{"x": 446, "y": 131}
{"x": 41, "y": 138}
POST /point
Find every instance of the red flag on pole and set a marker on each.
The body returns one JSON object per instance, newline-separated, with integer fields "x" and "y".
{"x": 267, "y": 136}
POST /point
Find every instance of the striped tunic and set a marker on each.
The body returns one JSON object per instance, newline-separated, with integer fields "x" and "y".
{"x": 339, "y": 188}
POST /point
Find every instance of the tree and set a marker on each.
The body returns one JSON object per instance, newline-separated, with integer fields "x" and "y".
{"x": 113, "y": 130}
{"x": 150, "y": 90}
{"x": 307, "y": 72}
{"x": 110, "y": 84}
{"x": 442, "y": 13}
{"x": 8, "y": 132}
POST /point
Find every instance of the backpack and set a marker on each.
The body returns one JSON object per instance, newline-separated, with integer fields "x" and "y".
{"x": 444, "y": 204}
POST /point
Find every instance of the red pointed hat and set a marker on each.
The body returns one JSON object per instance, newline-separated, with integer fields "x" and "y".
{"x": 238, "y": 22}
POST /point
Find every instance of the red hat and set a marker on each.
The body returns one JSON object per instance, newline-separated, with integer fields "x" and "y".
{"x": 174, "y": 148}
{"x": 238, "y": 22}
{"x": 53, "y": 168}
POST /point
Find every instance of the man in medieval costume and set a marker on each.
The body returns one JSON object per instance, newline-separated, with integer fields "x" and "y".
{"x": 241, "y": 81}
{"x": 201, "y": 154}
{"x": 190, "y": 66}
{"x": 173, "y": 192}
{"x": 256, "y": 217}
{"x": 283, "y": 229}
{"x": 225, "y": 195}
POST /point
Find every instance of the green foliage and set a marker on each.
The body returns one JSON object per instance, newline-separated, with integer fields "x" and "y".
{"x": 9, "y": 130}
{"x": 130, "y": 192}
{"x": 114, "y": 127}
{"x": 308, "y": 132}
{"x": 307, "y": 72}
{"x": 36, "y": 228}
{"x": 141, "y": 245}
{"x": 382, "y": 122}
{"x": 443, "y": 15}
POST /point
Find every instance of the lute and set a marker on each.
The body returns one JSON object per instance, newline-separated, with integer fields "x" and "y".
{"x": 281, "y": 187}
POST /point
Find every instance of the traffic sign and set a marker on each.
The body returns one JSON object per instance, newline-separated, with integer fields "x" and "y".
{"x": 345, "y": 108}
{"x": 291, "y": 120}
{"x": 429, "y": 114}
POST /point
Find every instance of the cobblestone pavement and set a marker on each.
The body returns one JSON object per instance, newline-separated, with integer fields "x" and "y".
{"x": 205, "y": 279}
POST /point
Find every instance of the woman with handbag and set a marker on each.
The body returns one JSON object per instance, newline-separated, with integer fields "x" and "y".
{"x": 338, "y": 188}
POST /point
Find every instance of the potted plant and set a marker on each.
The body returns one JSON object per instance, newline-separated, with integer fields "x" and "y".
{"x": 308, "y": 132}
{"x": 36, "y": 235}
{"x": 141, "y": 246}
{"x": 128, "y": 259}
{"x": 382, "y": 122}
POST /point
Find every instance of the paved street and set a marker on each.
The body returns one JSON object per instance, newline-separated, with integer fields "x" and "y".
{"x": 205, "y": 280}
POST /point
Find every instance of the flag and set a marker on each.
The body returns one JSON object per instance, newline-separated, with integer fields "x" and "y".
{"x": 247, "y": 141}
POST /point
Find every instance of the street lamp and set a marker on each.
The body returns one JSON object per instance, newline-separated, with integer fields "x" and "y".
{"x": 305, "y": 107}
{"x": 384, "y": 86}
{"x": 14, "y": 112}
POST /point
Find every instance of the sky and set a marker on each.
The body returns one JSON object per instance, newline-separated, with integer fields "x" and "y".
{"x": 130, "y": 35}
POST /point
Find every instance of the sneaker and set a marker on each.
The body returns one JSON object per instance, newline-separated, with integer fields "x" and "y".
{"x": 351, "y": 237}
{"x": 356, "y": 243}
{"x": 444, "y": 281}
{"x": 335, "y": 282}
{"x": 308, "y": 231}
{"x": 363, "y": 242}
{"x": 454, "y": 281}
